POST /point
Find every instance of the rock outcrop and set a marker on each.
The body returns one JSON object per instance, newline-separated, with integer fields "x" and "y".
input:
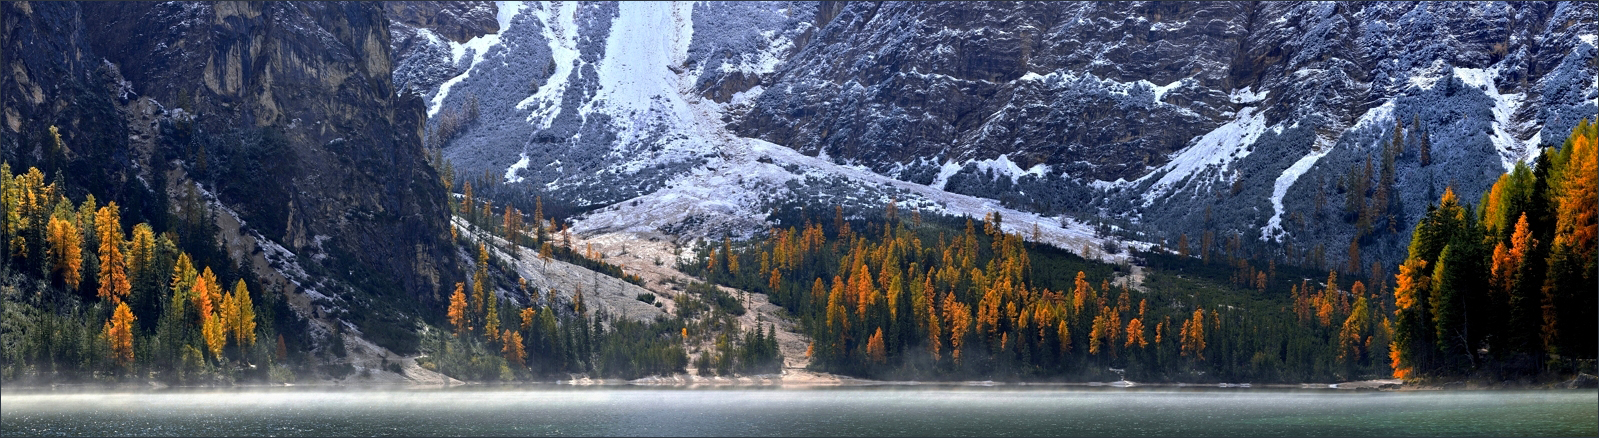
{"x": 284, "y": 111}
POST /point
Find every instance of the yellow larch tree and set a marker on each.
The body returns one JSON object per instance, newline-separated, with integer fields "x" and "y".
{"x": 1135, "y": 334}
{"x": 215, "y": 333}
{"x": 1354, "y": 336}
{"x": 527, "y": 315}
{"x": 66, "y": 251}
{"x": 243, "y": 325}
{"x": 113, "y": 277}
{"x": 209, "y": 290}
{"x": 183, "y": 278}
{"x": 119, "y": 331}
{"x": 201, "y": 298}
{"x": 874, "y": 348}
{"x": 513, "y": 350}
{"x": 457, "y": 310}
{"x": 1193, "y": 336}
{"x": 959, "y": 318}
{"x": 933, "y": 330}
{"x": 141, "y": 249}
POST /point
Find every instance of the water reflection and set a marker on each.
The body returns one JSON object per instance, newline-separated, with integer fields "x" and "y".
{"x": 895, "y": 411}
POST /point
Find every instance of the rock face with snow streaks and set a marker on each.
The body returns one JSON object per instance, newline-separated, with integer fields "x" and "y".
{"x": 1148, "y": 114}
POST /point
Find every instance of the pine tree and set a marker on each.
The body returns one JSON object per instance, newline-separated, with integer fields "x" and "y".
{"x": 1426, "y": 149}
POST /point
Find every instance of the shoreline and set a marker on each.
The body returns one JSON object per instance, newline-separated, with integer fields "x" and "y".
{"x": 801, "y": 380}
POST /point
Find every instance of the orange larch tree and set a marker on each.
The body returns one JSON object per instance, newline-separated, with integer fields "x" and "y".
{"x": 113, "y": 277}
{"x": 513, "y": 350}
{"x": 66, "y": 251}
{"x": 457, "y": 310}
{"x": 1135, "y": 334}
{"x": 874, "y": 348}
{"x": 119, "y": 331}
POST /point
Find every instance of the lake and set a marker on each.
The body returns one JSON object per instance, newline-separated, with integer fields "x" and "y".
{"x": 848, "y": 411}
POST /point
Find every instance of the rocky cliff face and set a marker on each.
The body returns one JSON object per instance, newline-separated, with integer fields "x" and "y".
{"x": 418, "y": 32}
{"x": 285, "y": 112}
{"x": 1139, "y": 113}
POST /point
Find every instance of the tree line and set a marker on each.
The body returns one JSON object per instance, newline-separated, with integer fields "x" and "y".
{"x": 1507, "y": 287}
{"x": 84, "y": 297}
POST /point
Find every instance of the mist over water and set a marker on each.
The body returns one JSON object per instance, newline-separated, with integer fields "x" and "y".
{"x": 874, "y": 411}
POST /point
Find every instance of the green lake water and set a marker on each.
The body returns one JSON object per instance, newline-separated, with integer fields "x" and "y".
{"x": 855, "y": 411}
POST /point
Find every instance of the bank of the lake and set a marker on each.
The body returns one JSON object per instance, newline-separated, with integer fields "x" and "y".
{"x": 925, "y": 410}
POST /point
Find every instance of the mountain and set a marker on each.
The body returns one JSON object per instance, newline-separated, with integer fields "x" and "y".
{"x": 1162, "y": 119}
{"x": 281, "y": 116}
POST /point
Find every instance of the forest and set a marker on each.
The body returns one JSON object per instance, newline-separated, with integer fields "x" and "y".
{"x": 1501, "y": 290}
{"x": 85, "y": 299}
{"x": 935, "y": 298}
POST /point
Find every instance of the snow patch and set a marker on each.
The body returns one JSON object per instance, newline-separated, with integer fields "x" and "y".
{"x": 1274, "y": 228}
{"x": 949, "y": 169}
{"x": 560, "y": 30}
{"x": 1218, "y": 148}
{"x": 1247, "y": 95}
{"x": 1003, "y": 166}
{"x": 1511, "y": 149}
{"x": 510, "y": 172}
{"x": 479, "y": 45}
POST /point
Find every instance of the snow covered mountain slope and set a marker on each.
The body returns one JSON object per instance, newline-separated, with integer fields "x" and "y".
{"x": 1238, "y": 119}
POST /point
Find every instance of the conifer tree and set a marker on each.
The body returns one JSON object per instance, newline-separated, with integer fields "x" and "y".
{"x": 119, "y": 331}
{"x": 214, "y": 331}
{"x": 243, "y": 325}
{"x": 1354, "y": 335}
{"x": 66, "y": 251}
{"x": 457, "y": 310}
{"x": 875, "y": 351}
{"x": 1135, "y": 334}
{"x": 491, "y": 324}
{"x": 140, "y": 250}
{"x": 1193, "y": 336}
{"x": 513, "y": 350}
{"x": 1571, "y": 279}
{"x": 113, "y": 277}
